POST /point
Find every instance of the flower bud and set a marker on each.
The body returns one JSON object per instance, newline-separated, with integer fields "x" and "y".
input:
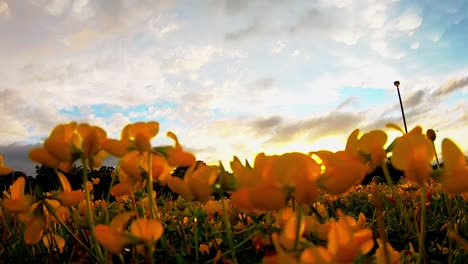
{"x": 431, "y": 134}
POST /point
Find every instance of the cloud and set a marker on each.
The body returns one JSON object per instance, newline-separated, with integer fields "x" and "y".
{"x": 233, "y": 7}
{"x": 16, "y": 156}
{"x": 409, "y": 20}
{"x": 22, "y": 119}
{"x": 349, "y": 102}
{"x": 261, "y": 84}
{"x": 334, "y": 123}
{"x": 451, "y": 86}
{"x": 414, "y": 99}
{"x": 278, "y": 47}
{"x": 246, "y": 32}
{"x": 4, "y": 9}
{"x": 267, "y": 125}
{"x": 57, "y": 7}
{"x": 415, "y": 45}
{"x": 83, "y": 10}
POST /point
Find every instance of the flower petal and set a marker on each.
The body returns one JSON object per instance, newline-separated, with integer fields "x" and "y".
{"x": 115, "y": 243}
{"x": 34, "y": 229}
{"x": 147, "y": 230}
{"x": 43, "y": 157}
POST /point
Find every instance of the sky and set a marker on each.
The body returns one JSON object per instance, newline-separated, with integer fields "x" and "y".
{"x": 232, "y": 78}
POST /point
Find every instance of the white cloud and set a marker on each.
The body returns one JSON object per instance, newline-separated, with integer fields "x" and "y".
{"x": 374, "y": 15}
{"x": 83, "y": 9}
{"x": 4, "y": 9}
{"x": 189, "y": 59}
{"x": 296, "y": 53}
{"x": 415, "y": 45}
{"x": 160, "y": 26}
{"x": 383, "y": 47}
{"x": 57, "y": 7}
{"x": 348, "y": 37}
{"x": 409, "y": 20}
{"x": 168, "y": 29}
{"x": 278, "y": 47}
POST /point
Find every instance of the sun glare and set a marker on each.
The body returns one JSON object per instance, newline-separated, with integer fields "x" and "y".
{"x": 331, "y": 143}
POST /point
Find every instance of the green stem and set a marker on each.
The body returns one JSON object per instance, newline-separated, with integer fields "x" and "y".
{"x": 196, "y": 241}
{"x": 52, "y": 211}
{"x": 245, "y": 230}
{"x": 298, "y": 227}
{"x": 227, "y": 224}
{"x": 394, "y": 193}
{"x": 90, "y": 214}
{"x": 435, "y": 152}
{"x": 233, "y": 249}
{"x": 109, "y": 193}
{"x": 422, "y": 224}
{"x": 149, "y": 187}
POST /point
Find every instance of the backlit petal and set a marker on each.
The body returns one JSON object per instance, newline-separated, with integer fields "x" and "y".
{"x": 147, "y": 230}
{"x": 43, "y": 157}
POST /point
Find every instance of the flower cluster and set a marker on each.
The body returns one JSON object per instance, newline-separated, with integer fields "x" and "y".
{"x": 272, "y": 186}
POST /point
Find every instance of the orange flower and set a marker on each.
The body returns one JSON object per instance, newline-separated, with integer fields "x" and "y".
{"x": 90, "y": 143}
{"x": 134, "y": 165}
{"x": 454, "y": 176}
{"x": 196, "y": 184}
{"x": 289, "y": 233}
{"x": 215, "y": 207}
{"x": 58, "y": 150}
{"x": 18, "y": 202}
{"x": 262, "y": 197}
{"x": 296, "y": 171}
{"x": 281, "y": 255}
{"x": 67, "y": 197}
{"x": 371, "y": 144}
{"x": 394, "y": 256}
{"x": 4, "y": 170}
{"x": 134, "y": 136}
{"x": 176, "y": 156}
{"x": 274, "y": 177}
{"x": 36, "y": 214}
{"x": 147, "y": 231}
{"x": 113, "y": 237}
{"x": 67, "y": 142}
{"x": 346, "y": 243}
{"x": 54, "y": 241}
{"x": 245, "y": 175}
{"x": 316, "y": 255}
{"x": 342, "y": 170}
{"x": 413, "y": 153}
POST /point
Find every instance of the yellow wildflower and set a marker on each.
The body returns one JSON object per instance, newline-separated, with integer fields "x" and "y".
{"x": 413, "y": 153}
{"x": 54, "y": 241}
{"x": 371, "y": 143}
{"x": 266, "y": 186}
{"x": 342, "y": 171}
{"x": 196, "y": 184}
{"x": 113, "y": 236}
{"x": 135, "y": 136}
{"x": 454, "y": 176}
{"x": 393, "y": 255}
{"x": 35, "y": 214}
{"x": 147, "y": 231}
{"x": 67, "y": 142}
{"x": 345, "y": 243}
{"x": 176, "y": 156}
{"x": 4, "y": 170}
